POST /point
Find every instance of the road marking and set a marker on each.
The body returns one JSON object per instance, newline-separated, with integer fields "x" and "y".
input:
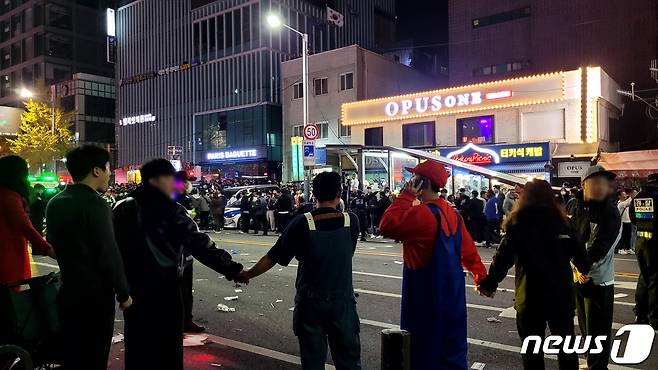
{"x": 56, "y": 267}
{"x": 260, "y": 350}
{"x": 484, "y": 343}
{"x": 394, "y": 295}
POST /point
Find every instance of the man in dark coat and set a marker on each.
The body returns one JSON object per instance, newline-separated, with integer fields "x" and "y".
{"x": 151, "y": 231}
{"x": 79, "y": 225}
{"x": 284, "y": 207}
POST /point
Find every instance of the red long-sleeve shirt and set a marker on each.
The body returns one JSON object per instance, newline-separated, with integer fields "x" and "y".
{"x": 417, "y": 228}
{"x": 16, "y": 230}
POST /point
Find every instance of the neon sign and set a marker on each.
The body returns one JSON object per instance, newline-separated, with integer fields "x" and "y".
{"x": 431, "y": 103}
{"x": 137, "y": 119}
{"x": 232, "y": 154}
{"x": 479, "y": 155}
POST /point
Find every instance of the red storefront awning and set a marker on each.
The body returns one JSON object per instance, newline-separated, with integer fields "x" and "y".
{"x": 639, "y": 163}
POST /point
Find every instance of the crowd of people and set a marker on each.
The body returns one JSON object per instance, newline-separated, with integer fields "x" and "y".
{"x": 133, "y": 245}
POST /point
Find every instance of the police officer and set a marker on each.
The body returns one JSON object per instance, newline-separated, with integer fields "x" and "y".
{"x": 359, "y": 207}
{"x": 323, "y": 241}
{"x": 644, "y": 217}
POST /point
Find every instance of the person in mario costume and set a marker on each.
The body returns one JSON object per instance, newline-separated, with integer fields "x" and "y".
{"x": 436, "y": 245}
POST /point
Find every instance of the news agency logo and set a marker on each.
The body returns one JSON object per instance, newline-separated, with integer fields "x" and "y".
{"x": 638, "y": 344}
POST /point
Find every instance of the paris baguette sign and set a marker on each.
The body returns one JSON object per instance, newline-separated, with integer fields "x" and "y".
{"x": 516, "y": 92}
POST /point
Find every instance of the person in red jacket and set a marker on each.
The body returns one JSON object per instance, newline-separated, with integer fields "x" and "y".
{"x": 15, "y": 226}
{"x": 436, "y": 245}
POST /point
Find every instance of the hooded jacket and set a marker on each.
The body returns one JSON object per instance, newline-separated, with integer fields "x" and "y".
{"x": 541, "y": 246}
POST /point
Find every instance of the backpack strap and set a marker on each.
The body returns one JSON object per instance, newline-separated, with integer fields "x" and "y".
{"x": 311, "y": 222}
{"x": 347, "y": 219}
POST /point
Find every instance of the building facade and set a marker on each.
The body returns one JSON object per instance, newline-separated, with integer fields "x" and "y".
{"x": 525, "y": 126}
{"x": 43, "y": 42}
{"x": 336, "y": 77}
{"x": 208, "y": 75}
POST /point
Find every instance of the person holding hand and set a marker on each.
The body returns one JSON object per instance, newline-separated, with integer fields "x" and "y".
{"x": 541, "y": 244}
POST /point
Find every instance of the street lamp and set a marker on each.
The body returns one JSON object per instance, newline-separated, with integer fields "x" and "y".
{"x": 26, "y": 94}
{"x": 274, "y": 22}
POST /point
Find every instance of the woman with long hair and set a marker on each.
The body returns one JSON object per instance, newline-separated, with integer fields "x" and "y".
{"x": 15, "y": 226}
{"x": 539, "y": 241}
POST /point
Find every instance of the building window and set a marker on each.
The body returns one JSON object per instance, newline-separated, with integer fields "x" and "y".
{"x": 323, "y": 127}
{"x": 418, "y": 135}
{"x": 511, "y": 15}
{"x": 297, "y": 91}
{"x": 298, "y": 130}
{"x": 478, "y": 130}
{"x": 503, "y": 68}
{"x": 374, "y": 136}
{"x": 346, "y": 81}
{"x": 59, "y": 16}
{"x": 321, "y": 86}
{"x": 345, "y": 130}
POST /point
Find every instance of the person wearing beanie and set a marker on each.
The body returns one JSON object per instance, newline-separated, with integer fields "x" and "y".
{"x": 152, "y": 232}
{"x": 435, "y": 246}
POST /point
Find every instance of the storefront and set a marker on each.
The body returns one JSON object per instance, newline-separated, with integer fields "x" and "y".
{"x": 510, "y": 126}
{"x": 237, "y": 163}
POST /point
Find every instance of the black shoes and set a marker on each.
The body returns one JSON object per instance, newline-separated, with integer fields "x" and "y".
{"x": 192, "y": 327}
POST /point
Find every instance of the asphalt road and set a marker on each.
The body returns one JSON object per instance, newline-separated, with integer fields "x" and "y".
{"x": 258, "y": 335}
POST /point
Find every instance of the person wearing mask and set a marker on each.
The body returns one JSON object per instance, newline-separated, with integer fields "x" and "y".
{"x": 80, "y": 228}
{"x": 245, "y": 212}
{"x": 323, "y": 241}
{"x": 15, "y": 226}
{"x": 358, "y": 206}
{"x": 645, "y": 218}
{"x": 541, "y": 244}
{"x": 181, "y": 186}
{"x": 623, "y": 206}
{"x": 152, "y": 230}
{"x": 217, "y": 208}
{"x": 435, "y": 246}
{"x": 491, "y": 215}
{"x": 284, "y": 207}
{"x": 597, "y": 222}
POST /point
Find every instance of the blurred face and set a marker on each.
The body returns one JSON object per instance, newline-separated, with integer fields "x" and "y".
{"x": 597, "y": 188}
{"x": 165, "y": 184}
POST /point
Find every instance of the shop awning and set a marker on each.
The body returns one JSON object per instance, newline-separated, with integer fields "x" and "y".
{"x": 532, "y": 167}
{"x": 639, "y": 163}
{"x": 571, "y": 150}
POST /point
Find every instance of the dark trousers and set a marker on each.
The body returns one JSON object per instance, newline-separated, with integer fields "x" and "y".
{"x": 594, "y": 304}
{"x": 281, "y": 221}
{"x": 317, "y": 321}
{"x": 154, "y": 329}
{"x": 491, "y": 234}
{"x": 646, "y": 294}
{"x": 246, "y": 221}
{"x": 219, "y": 220}
{"x": 363, "y": 224}
{"x": 204, "y": 217}
{"x": 533, "y": 321}
{"x": 87, "y": 325}
{"x": 261, "y": 223}
{"x": 625, "y": 240}
{"x": 186, "y": 290}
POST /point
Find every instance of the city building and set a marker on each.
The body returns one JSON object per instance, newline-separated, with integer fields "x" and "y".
{"x": 493, "y": 40}
{"x": 43, "y": 42}
{"x": 207, "y": 75}
{"x": 546, "y": 126}
{"x": 338, "y": 76}
{"x": 93, "y": 100}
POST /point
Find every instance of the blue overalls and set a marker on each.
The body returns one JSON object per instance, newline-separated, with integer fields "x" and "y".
{"x": 325, "y": 307}
{"x": 434, "y": 305}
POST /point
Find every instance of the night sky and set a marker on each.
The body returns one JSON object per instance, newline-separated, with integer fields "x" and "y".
{"x": 424, "y": 21}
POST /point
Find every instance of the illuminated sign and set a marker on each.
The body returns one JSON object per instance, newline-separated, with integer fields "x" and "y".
{"x": 235, "y": 154}
{"x": 161, "y": 72}
{"x": 110, "y": 22}
{"x": 136, "y": 119}
{"x": 496, "y": 154}
{"x": 514, "y": 92}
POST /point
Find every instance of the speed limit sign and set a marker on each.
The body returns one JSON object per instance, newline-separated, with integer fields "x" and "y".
{"x": 311, "y": 131}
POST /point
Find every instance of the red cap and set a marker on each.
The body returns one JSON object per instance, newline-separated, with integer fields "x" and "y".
{"x": 434, "y": 171}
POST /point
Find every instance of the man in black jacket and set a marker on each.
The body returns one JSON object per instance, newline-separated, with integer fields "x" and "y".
{"x": 597, "y": 221}
{"x": 151, "y": 231}
{"x": 284, "y": 207}
{"x": 79, "y": 224}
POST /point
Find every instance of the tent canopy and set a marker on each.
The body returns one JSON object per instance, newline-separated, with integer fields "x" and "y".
{"x": 639, "y": 163}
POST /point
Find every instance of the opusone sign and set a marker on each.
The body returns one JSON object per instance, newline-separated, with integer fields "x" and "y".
{"x": 515, "y": 92}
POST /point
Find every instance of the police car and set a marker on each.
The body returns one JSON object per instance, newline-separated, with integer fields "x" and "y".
{"x": 232, "y": 219}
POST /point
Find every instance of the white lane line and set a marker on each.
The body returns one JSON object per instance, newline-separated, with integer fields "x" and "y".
{"x": 260, "y": 350}
{"x": 484, "y": 343}
{"x": 394, "y": 295}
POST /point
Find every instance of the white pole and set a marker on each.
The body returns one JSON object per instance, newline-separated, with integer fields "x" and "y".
{"x": 307, "y": 171}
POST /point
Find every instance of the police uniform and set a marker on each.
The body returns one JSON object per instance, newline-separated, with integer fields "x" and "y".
{"x": 644, "y": 217}
{"x": 323, "y": 241}
{"x": 359, "y": 207}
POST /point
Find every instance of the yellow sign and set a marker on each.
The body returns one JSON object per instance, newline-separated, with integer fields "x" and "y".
{"x": 526, "y": 152}
{"x": 514, "y": 92}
